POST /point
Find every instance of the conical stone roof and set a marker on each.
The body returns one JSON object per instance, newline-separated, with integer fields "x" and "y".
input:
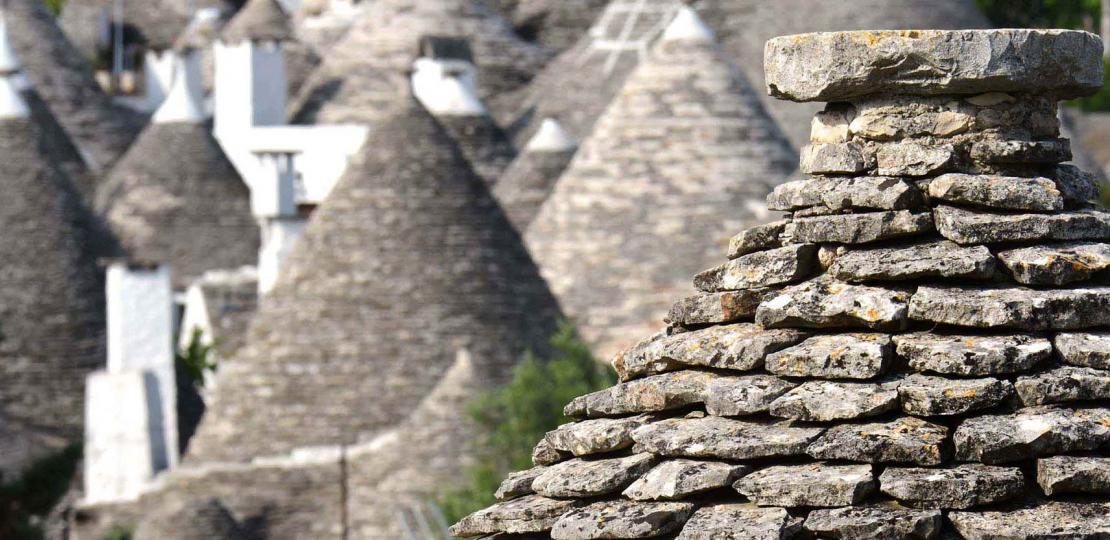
{"x": 154, "y": 23}
{"x": 259, "y": 20}
{"x": 408, "y": 262}
{"x": 680, "y": 161}
{"x": 529, "y": 180}
{"x": 556, "y": 24}
{"x": 919, "y": 350}
{"x": 364, "y": 76}
{"x": 190, "y": 520}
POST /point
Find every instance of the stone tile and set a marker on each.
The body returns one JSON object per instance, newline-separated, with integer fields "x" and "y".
{"x": 678, "y": 478}
{"x": 859, "y": 228}
{"x": 529, "y": 514}
{"x": 996, "y": 151}
{"x": 929, "y": 259}
{"x": 1090, "y": 349}
{"x": 827, "y": 303}
{"x": 826, "y": 401}
{"x": 961, "y": 487}
{"x": 758, "y": 238}
{"x": 716, "y": 437}
{"x": 972, "y": 355}
{"x": 739, "y": 347}
{"x": 737, "y": 396}
{"x": 970, "y": 227}
{"x": 905, "y": 440}
{"x": 995, "y": 191}
{"x": 717, "y": 308}
{"x": 655, "y": 393}
{"x": 834, "y": 356}
{"x": 1074, "y": 474}
{"x": 581, "y": 478}
{"x": 914, "y": 159}
{"x": 1077, "y": 186}
{"x": 833, "y": 158}
{"x": 1056, "y": 264}
{"x": 622, "y": 519}
{"x": 1049, "y": 520}
{"x": 739, "y": 522}
{"x": 814, "y": 484}
{"x": 833, "y": 193}
{"x": 875, "y": 523}
{"x": 594, "y": 436}
{"x": 1030, "y": 433}
{"x": 923, "y": 395}
{"x": 544, "y": 454}
{"x": 1011, "y": 307}
{"x": 518, "y": 483}
{"x": 761, "y": 269}
{"x": 1064, "y": 384}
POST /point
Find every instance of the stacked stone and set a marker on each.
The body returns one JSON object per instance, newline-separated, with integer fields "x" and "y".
{"x": 921, "y": 349}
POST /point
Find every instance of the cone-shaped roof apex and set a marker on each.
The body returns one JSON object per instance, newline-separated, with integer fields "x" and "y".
{"x": 259, "y": 20}
{"x": 551, "y": 137}
{"x": 687, "y": 25}
{"x": 181, "y": 104}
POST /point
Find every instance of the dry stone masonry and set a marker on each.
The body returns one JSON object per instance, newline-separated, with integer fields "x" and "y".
{"x": 919, "y": 349}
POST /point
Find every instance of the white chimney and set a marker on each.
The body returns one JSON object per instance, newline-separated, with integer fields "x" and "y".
{"x": 273, "y": 190}
{"x": 158, "y": 69}
{"x": 687, "y": 26}
{"x": 551, "y": 137}
{"x": 9, "y": 60}
{"x": 447, "y": 87}
{"x": 278, "y": 236}
{"x": 184, "y": 102}
{"x": 249, "y": 86}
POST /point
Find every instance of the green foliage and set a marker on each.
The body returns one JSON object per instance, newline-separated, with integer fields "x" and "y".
{"x": 1099, "y": 101}
{"x": 25, "y": 501}
{"x": 195, "y": 360}
{"x": 511, "y": 419}
{"x": 55, "y": 6}
{"x": 118, "y": 533}
{"x": 1042, "y": 13}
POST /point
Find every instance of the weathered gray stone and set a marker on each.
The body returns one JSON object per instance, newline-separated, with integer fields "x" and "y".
{"x": 913, "y": 159}
{"x": 1009, "y": 151}
{"x": 622, "y": 519}
{"x": 905, "y": 440}
{"x": 740, "y": 347}
{"x": 761, "y": 269}
{"x": 1084, "y": 349}
{"x": 1074, "y": 474}
{"x": 544, "y": 454}
{"x": 529, "y": 514}
{"x": 739, "y": 522}
{"x": 835, "y": 356}
{"x": 837, "y": 66}
{"x": 1077, "y": 186}
{"x": 914, "y": 261}
{"x": 1056, "y": 264}
{"x": 827, "y": 303}
{"x": 717, "y": 308}
{"x": 758, "y": 238}
{"x": 655, "y": 393}
{"x": 859, "y": 228}
{"x": 866, "y": 192}
{"x": 1029, "y": 433}
{"x": 833, "y": 158}
{"x": 923, "y": 395}
{"x": 579, "y": 478}
{"x": 1011, "y": 307}
{"x": 875, "y": 523}
{"x": 716, "y": 437}
{"x": 814, "y": 484}
{"x": 518, "y": 483}
{"x": 892, "y": 118}
{"x": 967, "y": 227}
{"x": 972, "y": 355}
{"x": 961, "y": 487}
{"x": 679, "y": 478}
{"x": 736, "y": 396}
{"x": 831, "y": 124}
{"x": 825, "y": 401}
{"x": 1064, "y": 384}
{"x": 1041, "y": 521}
{"x": 994, "y": 191}
{"x": 594, "y": 436}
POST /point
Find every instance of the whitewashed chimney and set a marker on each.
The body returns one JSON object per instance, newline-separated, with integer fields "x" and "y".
{"x": 687, "y": 26}
{"x": 158, "y": 68}
{"x": 184, "y": 103}
{"x": 273, "y": 190}
{"x": 447, "y": 86}
{"x": 551, "y": 137}
{"x": 249, "y": 86}
{"x": 12, "y": 104}
{"x": 278, "y": 237}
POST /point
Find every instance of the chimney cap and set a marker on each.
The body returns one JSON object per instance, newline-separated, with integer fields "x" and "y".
{"x": 445, "y": 48}
{"x": 551, "y": 137}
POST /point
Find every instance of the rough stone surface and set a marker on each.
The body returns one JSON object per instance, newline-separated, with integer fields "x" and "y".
{"x": 622, "y": 519}
{"x": 968, "y": 227}
{"x": 905, "y": 440}
{"x": 679, "y": 478}
{"x": 594, "y": 436}
{"x": 993, "y": 191}
{"x": 1084, "y": 349}
{"x": 1012, "y": 307}
{"x": 740, "y": 347}
{"x": 827, "y": 303}
{"x": 736, "y": 396}
{"x": 972, "y": 355}
{"x": 717, "y": 308}
{"x": 581, "y": 478}
{"x": 1076, "y": 185}
{"x": 836, "y": 356}
{"x": 1046, "y": 521}
{"x": 529, "y": 514}
{"x": 864, "y": 192}
{"x": 1074, "y": 474}
{"x": 758, "y": 238}
{"x": 996, "y": 151}
{"x": 518, "y": 483}
{"x": 815, "y": 484}
{"x": 544, "y": 454}
{"x": 840, "y": 65}
{"x": 1029, "y": 433}
{"x": 875, "y": 523}
{"x": 739, "y": 522}
{"x": 1056, "y": 264}
{"x": 914, "y": 261}
{"x": 859, "y": 228}
{"x": 1064, "y": 384}
{"x": 960, "y": 487}
{"x": 761, "y": 269}
{"x": 923, "y": 395}
{"x": 833, "y": 158}
{"x": 716, "y": 437}
{"x": 825, "y": 401}
{"x": 655, "y": 393}
{"x": 914, "y": 159}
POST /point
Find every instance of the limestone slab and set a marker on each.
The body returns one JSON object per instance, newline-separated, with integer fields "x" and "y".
{"x": 875, "y": 523}
{"x": 967, "y": 227}
{"x": 529, "y": 514}
{"x": 914, "y": 159}
{"x": 814, "y": 484}
{"x": 838, "y": 66}
{"x": 1074, "y": 474}
{"x": 739, "y": 347}
{"x": 654, "y": 393}
{"x": 739, "y": 522}
{"x": 826, "y": 401}
{"x": 827, "y": 303}
{"x": 905, "y": 440}
{"x": 761, "y": 269}
{"x": 758, "y": 238}
{"x": 930, "y": 259}
{"x": 737, "y": 396}
{"x": 1045, "y": 521}
{"x": 1012, "y": 307}
{"x": 835, "y": 356}
{"x": 998, "y": 151}
{"x": 961, "y": 487}
{"x": 594, "y": 436}
{"x": 716, "y": 437}
{"x": 1064, "y": 384}
{"x": 679, "y": 478}
{"x": 859, "y": 228}
{"x": 717, "y": 308}
{"x": 518, "y": 483}
{"x": 1077, "y": 186}
{"x": 861, "y": 192}
{"x": 544, "y": 454}
{"x": 1030, "y": 433}
{"x": 1087, "y": 349}
{"x": 1056, "y": 264}
{"x": 581, "y": 478}
{"x": 622, "y": 519}
{"x": 972, "y": 355}
{"x": 995, "y": 191}
{"x": 833, "y": 158}
{"x": 923, "y": 395}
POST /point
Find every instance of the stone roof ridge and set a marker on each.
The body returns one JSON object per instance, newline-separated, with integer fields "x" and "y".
{"x": 235, "y": 276}
{"x": 920, "y": 346}
{"x": 259, "y": 20}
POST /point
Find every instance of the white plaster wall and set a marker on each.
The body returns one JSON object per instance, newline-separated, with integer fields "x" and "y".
{"x": 124, "y": 436}
{"x": 278, "y": 237}
{"x": 272, "y": 193}
{"x": 249, "y": 86}
{"x": 158, "y": 67}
